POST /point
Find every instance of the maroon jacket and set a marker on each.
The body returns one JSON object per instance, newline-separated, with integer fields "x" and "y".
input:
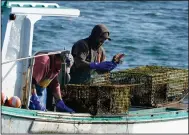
{"x": 45, "y": 72}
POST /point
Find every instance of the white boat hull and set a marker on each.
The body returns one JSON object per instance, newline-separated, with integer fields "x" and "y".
{"x": 15, "y": 124}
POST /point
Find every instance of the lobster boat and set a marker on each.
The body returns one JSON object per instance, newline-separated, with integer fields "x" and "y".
{"x": 18, "y": 20}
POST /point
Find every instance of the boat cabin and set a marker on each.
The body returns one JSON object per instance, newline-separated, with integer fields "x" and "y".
{"x": 18, "y": 21}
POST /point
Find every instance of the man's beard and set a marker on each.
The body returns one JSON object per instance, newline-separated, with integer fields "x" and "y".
{"x": 97, "y": 46}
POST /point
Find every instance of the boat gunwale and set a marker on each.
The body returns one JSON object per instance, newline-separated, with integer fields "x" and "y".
{"x": 97, "y": 122}
{"x": 72, "y": 118}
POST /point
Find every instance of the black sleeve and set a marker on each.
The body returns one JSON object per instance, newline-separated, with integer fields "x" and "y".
{"x": 80, "y": 52}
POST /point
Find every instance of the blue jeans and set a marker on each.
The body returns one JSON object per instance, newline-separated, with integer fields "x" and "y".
{"x": 42, "y": 94}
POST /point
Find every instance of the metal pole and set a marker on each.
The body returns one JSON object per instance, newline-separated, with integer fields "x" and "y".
{"x": 30, "y": 80}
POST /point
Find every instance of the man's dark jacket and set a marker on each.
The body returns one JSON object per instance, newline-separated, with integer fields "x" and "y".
{"x": 84, "y": 52}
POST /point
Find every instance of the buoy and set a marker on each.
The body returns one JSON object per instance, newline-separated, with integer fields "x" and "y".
{"x": 3, "y": 98}
{"x": 14, "y": 101}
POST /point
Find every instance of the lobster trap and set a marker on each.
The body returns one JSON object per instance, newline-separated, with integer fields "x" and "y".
{"x": 99, "y": 79}
{"x": 98, "y": 99}
{"x": 153, "y": 84}
{"x": 177, "y": 85}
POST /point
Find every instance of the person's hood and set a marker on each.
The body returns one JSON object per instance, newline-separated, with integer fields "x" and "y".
{"x": 98, "y": 31}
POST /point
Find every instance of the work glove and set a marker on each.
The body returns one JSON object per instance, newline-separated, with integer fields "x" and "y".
{"x": 62, "y": 107}
{"x": 35, "y": 103}
{"x": 103, "y": 66}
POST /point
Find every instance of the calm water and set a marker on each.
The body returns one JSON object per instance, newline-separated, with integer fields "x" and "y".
{"x": 150, "y": 33}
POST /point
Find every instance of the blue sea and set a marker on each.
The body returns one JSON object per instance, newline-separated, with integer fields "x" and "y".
{"x": 148, "y": 32}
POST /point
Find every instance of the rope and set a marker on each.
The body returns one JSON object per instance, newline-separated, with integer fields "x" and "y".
{"x": 30, "y": 57}
{"x": 184, "y": 97}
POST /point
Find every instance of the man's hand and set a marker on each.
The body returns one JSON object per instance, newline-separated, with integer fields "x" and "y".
{"x": 117, "y": 58}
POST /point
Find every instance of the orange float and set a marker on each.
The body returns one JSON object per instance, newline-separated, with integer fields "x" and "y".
{"x": 14, "y": 101}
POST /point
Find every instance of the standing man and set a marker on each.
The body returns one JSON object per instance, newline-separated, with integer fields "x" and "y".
{"x": 45, "y": 73}
{"x": 89, "y": 55}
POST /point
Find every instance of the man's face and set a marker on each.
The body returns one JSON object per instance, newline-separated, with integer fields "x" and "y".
{"x": 100, "y": 41}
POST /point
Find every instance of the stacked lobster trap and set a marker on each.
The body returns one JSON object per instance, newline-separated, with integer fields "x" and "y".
{"x": 115, "y": 92}
{"x": 98, "y": 99}
{"x": 153, "y": 84}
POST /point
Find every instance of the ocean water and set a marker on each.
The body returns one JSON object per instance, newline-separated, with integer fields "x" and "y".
{"x": 148, "y": 32}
